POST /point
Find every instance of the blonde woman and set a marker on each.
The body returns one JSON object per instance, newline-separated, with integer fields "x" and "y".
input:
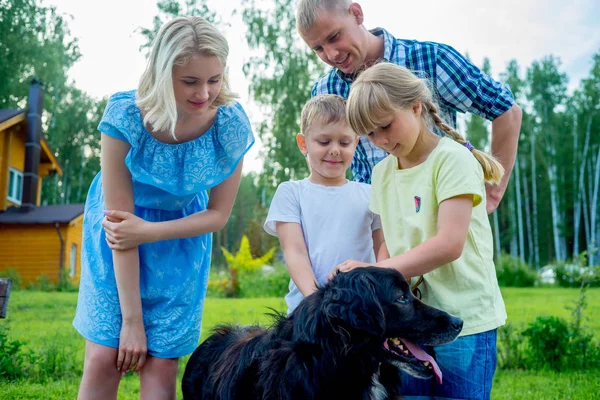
{"x": 148, "y": 218}
{"x": 430, "y": 194}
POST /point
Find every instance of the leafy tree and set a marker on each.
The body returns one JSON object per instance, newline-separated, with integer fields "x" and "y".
{"x": 34, "y": 42}
{"x": 242, "y": 261}
{"x": 73, "y": 135}
{"x": 169, "y": 9}
{"x": 282, "y": 72}
{"x": 477, "y": 127}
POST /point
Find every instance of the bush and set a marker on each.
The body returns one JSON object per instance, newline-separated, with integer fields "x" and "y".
{"x": 548, "y": 342}
{"x": 260, "y": 283}
{"x": 11, "y": 273}
{"x": 573, "y": 275}
{"x": 13, "y": 358}
{"x": 511, "y": 348}
{"x": 512, "y": 272}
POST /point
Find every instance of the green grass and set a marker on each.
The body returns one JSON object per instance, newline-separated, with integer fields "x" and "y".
{"x": 523, "y": 305}
{"x": 43, "y": 320}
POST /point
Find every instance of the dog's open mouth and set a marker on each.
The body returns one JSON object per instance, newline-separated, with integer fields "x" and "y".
{"x": 413, "y": 353}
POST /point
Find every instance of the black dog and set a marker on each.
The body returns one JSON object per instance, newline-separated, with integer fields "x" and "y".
{"x": 345, "y": 341}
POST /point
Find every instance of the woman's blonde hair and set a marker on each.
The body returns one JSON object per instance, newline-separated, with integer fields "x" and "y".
{"x": 386, "y": 88}
{"x": 175, "y": 44}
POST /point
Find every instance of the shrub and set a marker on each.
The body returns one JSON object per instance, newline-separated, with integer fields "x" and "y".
{"x": 573, "y": 275}
{"x": 512, "y": 272}
{"x": 242, "y": 261}
{"x": 259, "y": 283}
{"x": 11, "y": 273}
{"x": 511, "y": 348}
{"x": 265, "y": 284}
{"x": 14, "y": 359}
{"x": 548, "y": 339}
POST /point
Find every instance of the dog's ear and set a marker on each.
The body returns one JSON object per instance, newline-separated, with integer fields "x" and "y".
{"x": 351, "y": 303}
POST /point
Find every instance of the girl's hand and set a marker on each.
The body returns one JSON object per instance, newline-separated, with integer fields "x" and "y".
{"x": 347, "y": 266}
{"x": 124, "y": 230}
{"x": 132, "y": 347}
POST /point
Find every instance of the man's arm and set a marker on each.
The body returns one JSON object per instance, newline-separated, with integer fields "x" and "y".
{"x": 504, "y": 142}
{"x": 465, "y": 88}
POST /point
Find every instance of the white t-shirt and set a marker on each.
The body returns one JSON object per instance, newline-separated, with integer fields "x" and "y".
{"x": 336, "y": 221}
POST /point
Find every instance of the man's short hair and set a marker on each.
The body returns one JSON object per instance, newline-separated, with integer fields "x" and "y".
{"x": 308, "y": 11}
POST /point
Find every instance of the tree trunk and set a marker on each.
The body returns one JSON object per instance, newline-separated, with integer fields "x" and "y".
{"x": 496, "y": 235}
{"x": 554, "y": 203}
{"x": 519, "y": 211}
{"x": 514, "y": 244}
{"x": 80, "y": 180}
{"x": 579, "y": 186}
{"x": 594, "y": 213}
{"x": 528, "y": 216}
{"x": 536, "y": 243}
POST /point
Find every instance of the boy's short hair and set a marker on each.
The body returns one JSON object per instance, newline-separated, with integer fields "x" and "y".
{"x": 327, "y": 108}
{"x": 308, "y": 11}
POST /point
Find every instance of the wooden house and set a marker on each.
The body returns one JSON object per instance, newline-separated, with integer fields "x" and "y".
{"x": 34, "y": 239}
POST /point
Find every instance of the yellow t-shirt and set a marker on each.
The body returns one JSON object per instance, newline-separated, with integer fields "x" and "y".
{"x": 408, "y": 200}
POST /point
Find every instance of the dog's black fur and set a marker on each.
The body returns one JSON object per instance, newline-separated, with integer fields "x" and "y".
{"x": 331, "y": 347}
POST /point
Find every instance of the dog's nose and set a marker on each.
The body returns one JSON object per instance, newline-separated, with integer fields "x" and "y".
{"x": 457, "y": 324}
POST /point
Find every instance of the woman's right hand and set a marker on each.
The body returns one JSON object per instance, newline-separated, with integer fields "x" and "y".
{"x": 132, "y": 346}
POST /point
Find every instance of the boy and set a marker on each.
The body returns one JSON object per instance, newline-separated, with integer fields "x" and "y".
{"x": 324, "y": 219}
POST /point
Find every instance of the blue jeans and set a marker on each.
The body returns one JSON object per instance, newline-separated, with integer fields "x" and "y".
{"x": 467, "y": 364}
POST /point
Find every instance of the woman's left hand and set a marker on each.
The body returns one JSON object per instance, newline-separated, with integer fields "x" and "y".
{"x": 124, "y": 230}
{"x": 347, "y": 266}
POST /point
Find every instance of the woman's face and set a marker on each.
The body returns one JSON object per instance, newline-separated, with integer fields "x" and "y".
{"x": 197, "y": 84}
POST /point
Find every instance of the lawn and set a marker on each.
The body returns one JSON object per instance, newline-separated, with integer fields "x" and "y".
{"x": 43, "y": 321}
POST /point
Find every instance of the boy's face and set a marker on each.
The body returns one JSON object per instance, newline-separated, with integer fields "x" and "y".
{"x": 336, "y": 38}
{"x": 330, "y": 148}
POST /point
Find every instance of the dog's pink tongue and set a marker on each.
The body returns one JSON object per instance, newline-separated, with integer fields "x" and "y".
{"x": 423, "y": 356}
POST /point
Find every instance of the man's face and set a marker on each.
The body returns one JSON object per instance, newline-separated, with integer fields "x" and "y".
{"x": 337, "y": 38}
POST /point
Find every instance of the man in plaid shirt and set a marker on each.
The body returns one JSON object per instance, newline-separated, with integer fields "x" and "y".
{"x": 334, "y": 30}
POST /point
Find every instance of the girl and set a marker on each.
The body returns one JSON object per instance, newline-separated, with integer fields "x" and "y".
{"x": 430, "y": 194}
{"x": 145, "y": 266}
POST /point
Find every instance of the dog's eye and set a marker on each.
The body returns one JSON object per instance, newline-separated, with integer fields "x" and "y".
{"x": 402, "y": 299}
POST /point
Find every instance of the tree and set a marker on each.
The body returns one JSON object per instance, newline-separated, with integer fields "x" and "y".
{"x": 73, "y": 135}
{"x": 281, "y": 73}
{"x": 548, "y": 91}
{"x": 169, "y": 9}
{"x": 34, "y": 42}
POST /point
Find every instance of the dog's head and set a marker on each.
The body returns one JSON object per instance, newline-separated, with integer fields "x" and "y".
{"x": 376, "y": 305}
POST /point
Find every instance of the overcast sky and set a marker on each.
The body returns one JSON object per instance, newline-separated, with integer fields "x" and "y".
{"x": 525, "y": 30}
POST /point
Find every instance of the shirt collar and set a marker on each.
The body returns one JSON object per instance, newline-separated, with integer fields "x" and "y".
{"x": 388, "y": 50}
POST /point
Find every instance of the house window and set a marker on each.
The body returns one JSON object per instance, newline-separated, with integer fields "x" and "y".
{"x": 15, "y": 186}
{"x": 73, "y": 260}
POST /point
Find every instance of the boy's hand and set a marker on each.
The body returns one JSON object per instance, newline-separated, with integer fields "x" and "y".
{"x": 347, "y": 266}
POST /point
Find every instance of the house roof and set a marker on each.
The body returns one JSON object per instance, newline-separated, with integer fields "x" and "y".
{"x": 42, "y": 215}
{"x": 6, "y": 114}
{"x": 10, "y": 117}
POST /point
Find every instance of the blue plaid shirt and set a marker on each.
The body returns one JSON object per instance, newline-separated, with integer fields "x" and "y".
{"x": 458, "y": 86}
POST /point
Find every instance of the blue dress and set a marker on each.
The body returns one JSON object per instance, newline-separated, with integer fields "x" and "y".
{"x": 169, "y": 182}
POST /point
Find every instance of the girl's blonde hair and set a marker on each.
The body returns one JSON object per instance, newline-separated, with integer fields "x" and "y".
{"x": 175, "y": 44}
{"x": 385, "y": 88}
{"x": 308, "y": 11}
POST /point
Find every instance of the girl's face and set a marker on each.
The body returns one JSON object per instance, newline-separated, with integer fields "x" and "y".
{"x": 197, "y": 84}
{"x": 330, "y": 148}
{"x": 399, "y": 134}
